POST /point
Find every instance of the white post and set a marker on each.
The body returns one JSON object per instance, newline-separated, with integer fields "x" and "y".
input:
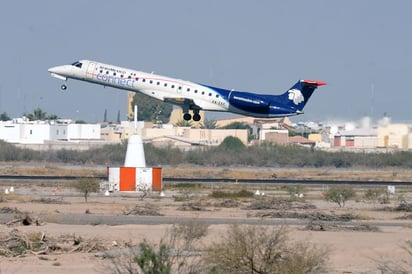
{"x": 135, "y": 116}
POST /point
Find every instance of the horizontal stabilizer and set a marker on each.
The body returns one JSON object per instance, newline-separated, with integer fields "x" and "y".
{"x": 314, "y": 82}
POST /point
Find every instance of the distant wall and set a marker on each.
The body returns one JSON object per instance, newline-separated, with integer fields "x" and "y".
{"x": 56, "y": 145}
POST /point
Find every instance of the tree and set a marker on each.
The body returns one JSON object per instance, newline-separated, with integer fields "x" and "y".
{"x": 105, "y": 116}
{"x": 232, "y": 143}
{"x": 183, "y": 123}
{"x": 118, "y": 117}
{"x": 151, "y": 109}
{"x": 39, "y": 114}
{"x": 4, "y": 117}
{"x": 209, "y": 124}
{"x": 339, "y": 195}
{"x": 86, "y": 186}
{"x": 52, "y": 117}
{"x": 259, "y": 249}
{"x": 236, "y": 125}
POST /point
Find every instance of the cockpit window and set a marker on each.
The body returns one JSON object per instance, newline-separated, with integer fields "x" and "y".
{"x": 77, "y": 64}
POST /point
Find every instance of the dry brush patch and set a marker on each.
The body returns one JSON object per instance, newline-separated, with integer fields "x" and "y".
{"x": 18, "y": 243}
{"x": 18, "y": 217}
{"x": 143, "y": 210}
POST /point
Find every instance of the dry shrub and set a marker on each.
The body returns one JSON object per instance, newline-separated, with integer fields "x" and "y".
{"x": 259, "y": 249}
{"x": 179, "y": 251}
{"x": 399, "y": 266}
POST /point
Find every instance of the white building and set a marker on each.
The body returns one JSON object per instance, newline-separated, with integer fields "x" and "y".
{"x": 21, "y": 131}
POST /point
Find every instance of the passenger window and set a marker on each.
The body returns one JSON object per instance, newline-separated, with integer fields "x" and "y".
{"x": 165, "y": 84}
{"x": 107, "y": 72}
{"x": 195, "y": 90}
{"x": 114, "y": 73}
{"x": 129, "y": 77}
{"x": 144, "y": 80}
{"x": 203, "y": 92}
{"x": 101, "y": 71}
{"x": 158, "y": 83}
{"x": 180, "y": 88}
{"x": 173, "y": 86}
{"x": 121, "y": 76}
{"x": 151, "y": 81}
{"x": 210, "y": 94}
{"x": 188, "y": 89}
{"x": 137, "y": 79}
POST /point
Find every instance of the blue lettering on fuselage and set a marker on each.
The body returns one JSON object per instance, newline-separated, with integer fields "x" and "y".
{"x": 109, "y": 79}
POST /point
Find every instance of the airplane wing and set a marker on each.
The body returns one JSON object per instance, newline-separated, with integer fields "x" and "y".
{"x": 182, "y": 101}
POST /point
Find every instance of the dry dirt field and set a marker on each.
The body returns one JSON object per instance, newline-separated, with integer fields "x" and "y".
{"x": 59, "y": 215}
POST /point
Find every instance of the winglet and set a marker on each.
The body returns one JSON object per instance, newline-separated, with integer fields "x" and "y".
{"x": 314, "y": 82}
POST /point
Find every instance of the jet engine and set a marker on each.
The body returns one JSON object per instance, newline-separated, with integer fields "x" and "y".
{"x": 248, "y": 101}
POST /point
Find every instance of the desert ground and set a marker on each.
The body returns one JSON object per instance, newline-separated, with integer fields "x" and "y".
{"x": 377, "y": 234}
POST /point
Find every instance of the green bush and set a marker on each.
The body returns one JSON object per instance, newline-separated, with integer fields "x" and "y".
{"x": 153, "y": 261}
{"x": 375, "y": 194}
{"x": 339, "y": 195}
{"x": 86, "y": 186}
{"x": 232, "y": 143}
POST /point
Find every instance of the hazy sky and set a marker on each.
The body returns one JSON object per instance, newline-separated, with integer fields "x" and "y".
{"x": 363, "y": 49}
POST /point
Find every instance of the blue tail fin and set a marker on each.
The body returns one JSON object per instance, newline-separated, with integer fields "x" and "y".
{"x": 298, "y": 95}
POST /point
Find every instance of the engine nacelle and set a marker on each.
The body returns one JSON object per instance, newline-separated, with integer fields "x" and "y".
{"x": 248, "y": 101}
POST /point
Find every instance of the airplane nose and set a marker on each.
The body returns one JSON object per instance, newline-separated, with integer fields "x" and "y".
{"x": 55, "y": 70}
{"x": 60, "y": 72}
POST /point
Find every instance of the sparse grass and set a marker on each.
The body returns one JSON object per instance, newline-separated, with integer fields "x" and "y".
{"x": 17, "y": 198}
{"x": 183, "y": 186}
{"x": 218, "y": 194}
{"x": 96, "y": 222}
{"x": 50, "y": 170}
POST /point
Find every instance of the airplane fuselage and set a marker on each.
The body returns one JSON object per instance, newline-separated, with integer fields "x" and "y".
{"x": 188, "y": 95}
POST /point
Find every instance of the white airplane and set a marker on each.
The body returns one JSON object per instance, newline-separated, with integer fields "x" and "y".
{"x": 188, "y": 95}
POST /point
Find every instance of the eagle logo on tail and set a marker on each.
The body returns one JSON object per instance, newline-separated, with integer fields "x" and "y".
{"x": 296, "y": 96}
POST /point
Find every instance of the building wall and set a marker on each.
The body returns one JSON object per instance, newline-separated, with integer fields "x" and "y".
{"x": 39, "y": 132}
{"x": 393, "y": 135}
{"x": 58, "y": 132}
{"x": 10, "y": 132}
{"x": 83, "y": 131}
{"x": 280, "y": 137}
{"x": 35, "y": 133}
{"x": 365, "y": 142}
{"x": 315, "y": 137}
{"x": 263, "y": 133}
{"x": 410, "y": 141}
{"x": 215, "y": 136}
